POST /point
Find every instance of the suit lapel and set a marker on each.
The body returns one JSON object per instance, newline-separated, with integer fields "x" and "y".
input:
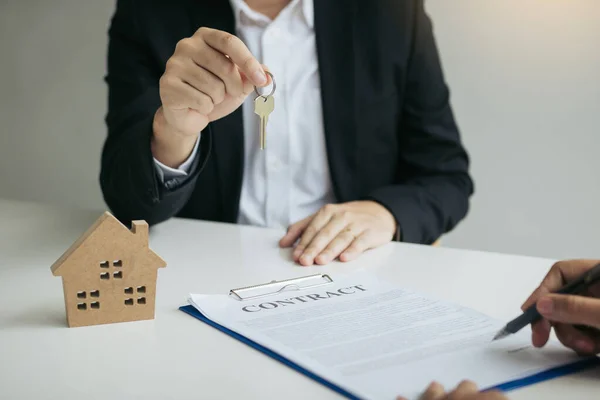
{"x": 334, "y": 29}
{"x": 228, "y": 132}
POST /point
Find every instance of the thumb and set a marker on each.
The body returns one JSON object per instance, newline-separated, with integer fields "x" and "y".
{"x": 249, "y": 86}
{"x": 294, "y": 232}
{"x": 570, "y": 309}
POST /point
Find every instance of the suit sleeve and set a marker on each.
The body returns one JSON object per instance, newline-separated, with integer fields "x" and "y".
{"x": 432, "y": 196}
{"x": 128, "y": 176}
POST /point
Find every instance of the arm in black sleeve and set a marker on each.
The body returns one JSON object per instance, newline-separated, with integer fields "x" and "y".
{"x": 128, "y": 178}
{"x": 433, "y": 193}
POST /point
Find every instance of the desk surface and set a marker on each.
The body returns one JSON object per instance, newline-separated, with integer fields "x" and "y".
{"x": 177, "y": 357}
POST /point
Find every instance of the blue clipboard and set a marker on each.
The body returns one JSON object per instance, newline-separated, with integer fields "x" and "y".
{"x": 197, "y": 314}
{"x": 507, "y": 386}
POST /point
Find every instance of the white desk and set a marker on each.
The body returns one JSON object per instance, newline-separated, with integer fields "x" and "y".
{"x": 178, "y": 357}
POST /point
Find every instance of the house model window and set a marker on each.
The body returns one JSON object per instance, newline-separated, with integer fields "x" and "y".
{"x": 109, "y": 274}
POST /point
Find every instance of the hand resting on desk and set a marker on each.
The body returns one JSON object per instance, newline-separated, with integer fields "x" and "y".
{"x": 341, "y": 231}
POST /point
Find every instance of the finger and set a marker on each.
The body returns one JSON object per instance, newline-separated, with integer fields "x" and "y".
{"x": 490, "y": 395}
{"x": 463, "y": 389}
{"x": 575, "y": 339}
{"x": 323, "y": 238}
{"x": 531, "y": 300}
{"x": 572, "y": 269}
{"x": 434, "y": 391}
{"x": 561, "y": 273}
{"x": 248, "y": 87}
{"x": 570, "y": 309}
{"x": 359, "y": 245}
{"x": 540, "y": 332}
{"x": 237, "y": 51}
{"x": 336, "y": 246}
{"x": 294, "y": 232}
{"x": 321, "y": 218}
{"x": 204, "y": 81}
{"x": 222, "y": 67}
{"x": 554, "y": 280}
{"x": 179, "y": 95}
{"x": 195, "y": 55}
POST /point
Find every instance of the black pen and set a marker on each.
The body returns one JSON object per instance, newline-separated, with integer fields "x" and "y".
{"x": 531, "y": 315}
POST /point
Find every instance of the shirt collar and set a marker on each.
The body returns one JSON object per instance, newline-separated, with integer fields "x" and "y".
{"x": 243, "y": 12}
{"x": 308, "y": 9}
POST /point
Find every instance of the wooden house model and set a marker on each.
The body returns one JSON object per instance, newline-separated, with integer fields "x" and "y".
{"x": 109, "y": 274}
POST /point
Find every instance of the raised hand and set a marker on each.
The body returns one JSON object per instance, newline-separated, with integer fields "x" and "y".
{"x": 209, "y": 76}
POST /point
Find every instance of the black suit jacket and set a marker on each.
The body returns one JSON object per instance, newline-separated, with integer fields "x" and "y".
{"x": 390, "y": 131}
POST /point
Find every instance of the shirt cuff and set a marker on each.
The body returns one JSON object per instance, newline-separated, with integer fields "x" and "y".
{"x": 166, "y": 173}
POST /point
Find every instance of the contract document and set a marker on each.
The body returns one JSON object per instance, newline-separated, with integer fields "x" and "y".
{"x": 375, "y": 340}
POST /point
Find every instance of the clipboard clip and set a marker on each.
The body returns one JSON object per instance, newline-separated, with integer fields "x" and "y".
{"x": 276, "y": 287}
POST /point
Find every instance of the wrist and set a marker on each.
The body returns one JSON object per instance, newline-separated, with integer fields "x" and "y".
{"x": 389, "y": 219}
{"x": 392, "y": 224}
{"x": 386, "y": 217}
{"x": 168, "y": 145}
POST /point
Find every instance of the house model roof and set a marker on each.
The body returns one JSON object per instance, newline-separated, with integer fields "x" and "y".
{"x": 105, "y": 229}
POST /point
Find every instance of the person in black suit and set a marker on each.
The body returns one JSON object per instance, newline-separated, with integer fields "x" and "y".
{"x": 362, "y": 147}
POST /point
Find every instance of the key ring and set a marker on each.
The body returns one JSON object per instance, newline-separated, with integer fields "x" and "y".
{"x": 272, "y": 91}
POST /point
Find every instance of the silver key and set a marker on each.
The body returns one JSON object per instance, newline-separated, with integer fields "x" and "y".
{"x": 263, "y": 106}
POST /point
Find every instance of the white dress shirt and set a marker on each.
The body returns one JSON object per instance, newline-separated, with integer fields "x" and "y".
{"x": 288, "y": 180}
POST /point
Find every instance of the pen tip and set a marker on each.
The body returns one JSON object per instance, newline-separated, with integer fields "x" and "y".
{"x": 502, "y": 334}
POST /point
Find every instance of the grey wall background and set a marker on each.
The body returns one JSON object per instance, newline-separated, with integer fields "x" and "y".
{"x": 525, "y": 80}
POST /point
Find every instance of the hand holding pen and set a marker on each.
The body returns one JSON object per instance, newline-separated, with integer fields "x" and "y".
{"x": 568, "y": 300}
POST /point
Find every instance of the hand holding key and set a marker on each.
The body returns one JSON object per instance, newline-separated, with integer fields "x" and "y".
{"x": 263, "y": 106}
{"x": 209, "y": 75}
